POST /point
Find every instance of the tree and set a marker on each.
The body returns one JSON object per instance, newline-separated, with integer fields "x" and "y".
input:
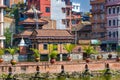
{"x": 52, "y": 51}
{"x": 8, "y": 35}
{"x": 36, "y": 54}
{"x": 89, "y": 50}
{"x": 14, "y": 12}
{"x": 53, "y": 54}
{"x": 12, "y": 51}
{"x": 1, "y": 52}
{"x": 69, "y": 47}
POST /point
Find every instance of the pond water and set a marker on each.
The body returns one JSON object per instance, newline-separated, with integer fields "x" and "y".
{"x": 117, "y": 77}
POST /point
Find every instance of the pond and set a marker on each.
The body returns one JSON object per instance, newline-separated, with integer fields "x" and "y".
{"x": 68, "y": 77}
{"x": 117, "y": 77}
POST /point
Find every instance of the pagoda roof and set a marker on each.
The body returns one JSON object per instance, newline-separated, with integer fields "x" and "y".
{"x": 52, "y": 34}
{"x": 31, "y": 11}
{"x": 24, "y": 34}
{"x": 33, "y": 21}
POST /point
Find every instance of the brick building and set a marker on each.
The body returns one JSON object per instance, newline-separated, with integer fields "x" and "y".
{"x": 42, "y": 5}
{"x": 98, "y": 19}
{"x": 58, "y": 10}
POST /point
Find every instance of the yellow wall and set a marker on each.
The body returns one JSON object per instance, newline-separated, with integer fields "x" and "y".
{"x": 60, "y": 49}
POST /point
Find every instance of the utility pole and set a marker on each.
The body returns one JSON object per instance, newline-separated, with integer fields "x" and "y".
{"x": 35, "y": 16}
{"x": 2, "y": 24}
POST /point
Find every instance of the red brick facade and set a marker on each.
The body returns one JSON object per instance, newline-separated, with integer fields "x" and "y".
{"x": 42, "y": 5}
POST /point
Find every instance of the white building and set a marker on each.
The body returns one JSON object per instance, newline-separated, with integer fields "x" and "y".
{"x": 113, "y": 23}
{"x": 57, "y": 13}
{"x": 76, "y": 7}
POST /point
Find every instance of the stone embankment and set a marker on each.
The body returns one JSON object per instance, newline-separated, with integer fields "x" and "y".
{"x": 72, "y": 66}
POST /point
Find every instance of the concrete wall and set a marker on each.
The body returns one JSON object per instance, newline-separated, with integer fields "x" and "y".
{"x": 57, "y": 14}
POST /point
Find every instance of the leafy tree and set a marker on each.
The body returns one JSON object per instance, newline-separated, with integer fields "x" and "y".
{"x": 89, "y": 50}
{"x": 52, "y": 51}
{"x": 1, "y": 52}
{"x": 53, "y": 54}
{"x": 14, "y": 12}
{"x": 36, "y": 52}
{"x": 7, "y": 34}
{"x": 69, "y": 47}
{"x": 12, "y": 51}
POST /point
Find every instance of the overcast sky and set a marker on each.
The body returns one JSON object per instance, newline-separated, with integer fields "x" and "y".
{"x": 85, "y": 5}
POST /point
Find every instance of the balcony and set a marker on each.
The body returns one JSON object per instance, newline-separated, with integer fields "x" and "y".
{"x": 98, "y": 11}
{"x": 113, "y": 3}
{"x": 68, "y": 7}
{"x": 92, "y": 2}
{"x": 98, "y": 21}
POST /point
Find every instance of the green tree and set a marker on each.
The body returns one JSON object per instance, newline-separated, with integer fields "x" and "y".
{"x": 53, "y": 54}
{"x": 89, "y": 50}
{"x": 36, "y": 52}
{"x": 1, "y": 52}
{"x": 52, "y": 51}
{"x": 14, "y": 12}
{"x": 69, "y": 47}
{"x": 7, "y": 34}
{"x": 12, "y": 51}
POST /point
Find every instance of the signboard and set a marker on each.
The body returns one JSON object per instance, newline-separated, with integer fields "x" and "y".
{"x": 95, "y": 41}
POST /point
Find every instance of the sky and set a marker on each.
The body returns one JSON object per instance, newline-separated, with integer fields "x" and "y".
{"x": 85, "y": 5}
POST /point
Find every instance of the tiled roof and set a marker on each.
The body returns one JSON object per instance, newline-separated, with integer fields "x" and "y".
{"x": 53, "y": 33}
{"x": 33, "y": 21}
{"x": 26, "y": 32}
{"x": 82, "y": 26}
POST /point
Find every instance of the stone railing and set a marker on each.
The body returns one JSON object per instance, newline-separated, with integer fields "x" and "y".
{"x": 30, "y": 67}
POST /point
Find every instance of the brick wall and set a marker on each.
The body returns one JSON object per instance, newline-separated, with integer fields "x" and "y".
{"x": 30, "y": 67}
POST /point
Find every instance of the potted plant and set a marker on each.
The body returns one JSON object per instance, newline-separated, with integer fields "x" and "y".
{"x": 12, "y": 51}
{"x": 36, "y": 54}
{"x": 53, "y": 56}
{"x": 109, "y": 56}
{"x": 99, "y": 57}
{"x": 88, "y": 50}
{"x": 1, "y": 53}
{"x": 69, "y": 48}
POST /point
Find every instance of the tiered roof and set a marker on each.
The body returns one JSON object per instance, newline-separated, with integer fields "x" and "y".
{"x": 31, "y": 11}
{"x": 33, "y": 21}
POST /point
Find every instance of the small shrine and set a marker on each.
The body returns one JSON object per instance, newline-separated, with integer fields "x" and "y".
{"x": 22, "y": 47}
